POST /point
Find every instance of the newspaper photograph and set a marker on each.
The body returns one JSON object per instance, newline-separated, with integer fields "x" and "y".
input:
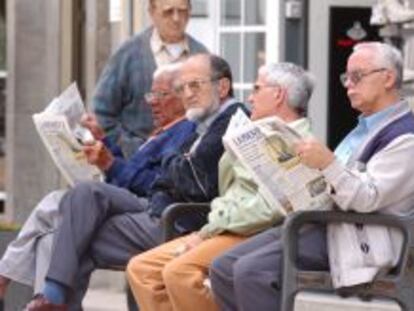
{"x": 265, "y": 148}
{"x": 59, "y": 129}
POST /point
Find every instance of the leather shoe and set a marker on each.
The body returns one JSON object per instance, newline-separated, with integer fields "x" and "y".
{"x": 40, "y": 303}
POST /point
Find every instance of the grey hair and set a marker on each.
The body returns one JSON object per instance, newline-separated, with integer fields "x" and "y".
{"x": 387, "y": 56}
{"x": 298, "y": 83}
{"x": 169, "y": 71}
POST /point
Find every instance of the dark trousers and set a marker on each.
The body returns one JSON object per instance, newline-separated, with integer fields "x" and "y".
{"x": 248, "y": 277}
{"x": 102, "y": 227}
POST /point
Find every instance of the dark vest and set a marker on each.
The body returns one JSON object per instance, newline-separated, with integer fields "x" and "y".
{"x": 401, "y": 126}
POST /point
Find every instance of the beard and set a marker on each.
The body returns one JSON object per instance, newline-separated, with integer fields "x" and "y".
{"x": 201, "y": 113}
{"x": 196, "y": 114}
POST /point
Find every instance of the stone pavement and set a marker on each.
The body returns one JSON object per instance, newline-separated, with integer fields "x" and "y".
{"x": 106, "y": 292}
{"x": 105, "y": 300}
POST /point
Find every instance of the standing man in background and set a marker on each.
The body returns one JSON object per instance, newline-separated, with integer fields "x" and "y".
{"x": 119, "y": 101}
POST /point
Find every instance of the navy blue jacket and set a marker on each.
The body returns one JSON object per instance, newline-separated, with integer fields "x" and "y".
{"x": 192, "y": 178}
{"x": 138, "y": 173}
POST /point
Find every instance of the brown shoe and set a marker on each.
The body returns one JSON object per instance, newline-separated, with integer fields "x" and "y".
{"x": 40, "y": 303}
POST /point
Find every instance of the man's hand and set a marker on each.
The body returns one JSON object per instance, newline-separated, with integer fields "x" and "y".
{"x": 97, "y": 154}
{"x": 190, "y": 242}
{"x": 314, "y": 154}
{"x": 89, "y": 121}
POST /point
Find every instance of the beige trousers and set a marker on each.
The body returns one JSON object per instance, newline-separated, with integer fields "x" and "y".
{"x": 162, "y": 281}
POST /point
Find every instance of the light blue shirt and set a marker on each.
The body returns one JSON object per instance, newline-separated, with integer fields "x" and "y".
{"x": 364, "y": 127}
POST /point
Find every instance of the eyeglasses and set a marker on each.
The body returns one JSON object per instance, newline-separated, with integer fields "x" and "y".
{"x": 258, "y": 87}
{"x": 168, "y": 13}
{"x": 151, "y": 96}
{"x": 194, "y": 86}
{"x": 356, "y": 76}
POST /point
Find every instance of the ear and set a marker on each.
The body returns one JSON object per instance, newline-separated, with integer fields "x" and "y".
{"x": 224, "y": 87}
{"x": 390, "y": 79}
{"x": 279, "y": 94}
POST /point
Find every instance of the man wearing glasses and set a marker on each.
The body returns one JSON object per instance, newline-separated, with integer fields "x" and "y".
{"x": 171, "y": 276}
{"x": 25, "y": 257}
{"x": 119, "y": 101}
{"x": 370, "y": 171}
{"x": 104, "y": 226}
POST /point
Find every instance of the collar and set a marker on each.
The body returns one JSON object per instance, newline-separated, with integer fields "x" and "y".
{"x": 204, "y": 125}
{"x": 302, "y": 126}
{"x": 157, "y": 45}
{"x": 373, "y": 121}
{"x": 164, "y": 128}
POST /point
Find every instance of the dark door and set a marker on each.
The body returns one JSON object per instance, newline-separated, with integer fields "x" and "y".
{"x": 348, "y": 26}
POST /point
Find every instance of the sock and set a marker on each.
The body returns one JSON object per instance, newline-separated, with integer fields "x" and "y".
{"x": 55, "y": 292}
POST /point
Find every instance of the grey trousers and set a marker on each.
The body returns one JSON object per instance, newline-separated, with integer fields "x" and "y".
{"x": 27, "y": 257}
{"x": 248, "y": 277}
{"x": 102, "y": 226}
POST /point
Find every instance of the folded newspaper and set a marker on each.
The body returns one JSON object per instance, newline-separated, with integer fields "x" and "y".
{"x": 59, "y": 128}
{"x": 265, "y": 148}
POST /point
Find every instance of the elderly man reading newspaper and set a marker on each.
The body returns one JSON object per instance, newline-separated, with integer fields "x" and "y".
{"x": 171, "y": 276}
{"x": 104, "y": 226}
{"x": 370, "y": 171}
{"x": 136, "y": 174}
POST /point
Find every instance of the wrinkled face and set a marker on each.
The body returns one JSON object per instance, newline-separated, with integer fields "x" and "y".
{"x": 262, "y": 99}
{"x": 170, "y": 17}
{"x": 198, "y": 92}
{"x": 365, "y": 81}
{"x": 166, "y": 106}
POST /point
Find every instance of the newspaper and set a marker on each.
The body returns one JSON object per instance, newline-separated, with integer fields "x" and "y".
{"x": 59, "y": 128}
{"x": 265, "y": 148}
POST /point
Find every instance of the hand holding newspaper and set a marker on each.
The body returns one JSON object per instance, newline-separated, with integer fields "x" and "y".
{"x": 59, "y": 128}
{"x": 265, "y": 148}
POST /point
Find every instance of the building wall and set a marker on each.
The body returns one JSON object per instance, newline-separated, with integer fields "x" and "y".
{"x": 42, "y": 53}
{"x": 44, "y": 56}
{"x": 33, "y": 80}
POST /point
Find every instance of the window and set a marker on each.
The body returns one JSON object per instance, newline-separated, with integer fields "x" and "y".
{"x": 245, "y": 28}
{"x": 199, "y": 8}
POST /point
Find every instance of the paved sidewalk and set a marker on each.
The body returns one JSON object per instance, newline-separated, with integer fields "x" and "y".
{"x": 106, "y": 292}
{"x": 105, "y": 300}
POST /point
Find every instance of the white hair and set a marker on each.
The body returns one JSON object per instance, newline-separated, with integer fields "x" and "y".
{"x": 169, "y": 71}
{"x": 386, "y": 56}
{"x": 298, "y": 83}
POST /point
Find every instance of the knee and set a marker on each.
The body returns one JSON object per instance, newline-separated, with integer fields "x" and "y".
{"x": 220, "y": 269}
{"x": 216, "y": 269}
{"x": 244, "y": 271}
{"x": 145, "y": 265}
{"x": 172, "y": 274}
{"x": 135, "y": 270}
{"x": 84, "y": 189}
{"x": 80, "y": 195}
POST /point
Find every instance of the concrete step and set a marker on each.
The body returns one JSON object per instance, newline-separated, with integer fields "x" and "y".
{"x": 306, "y": 301}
